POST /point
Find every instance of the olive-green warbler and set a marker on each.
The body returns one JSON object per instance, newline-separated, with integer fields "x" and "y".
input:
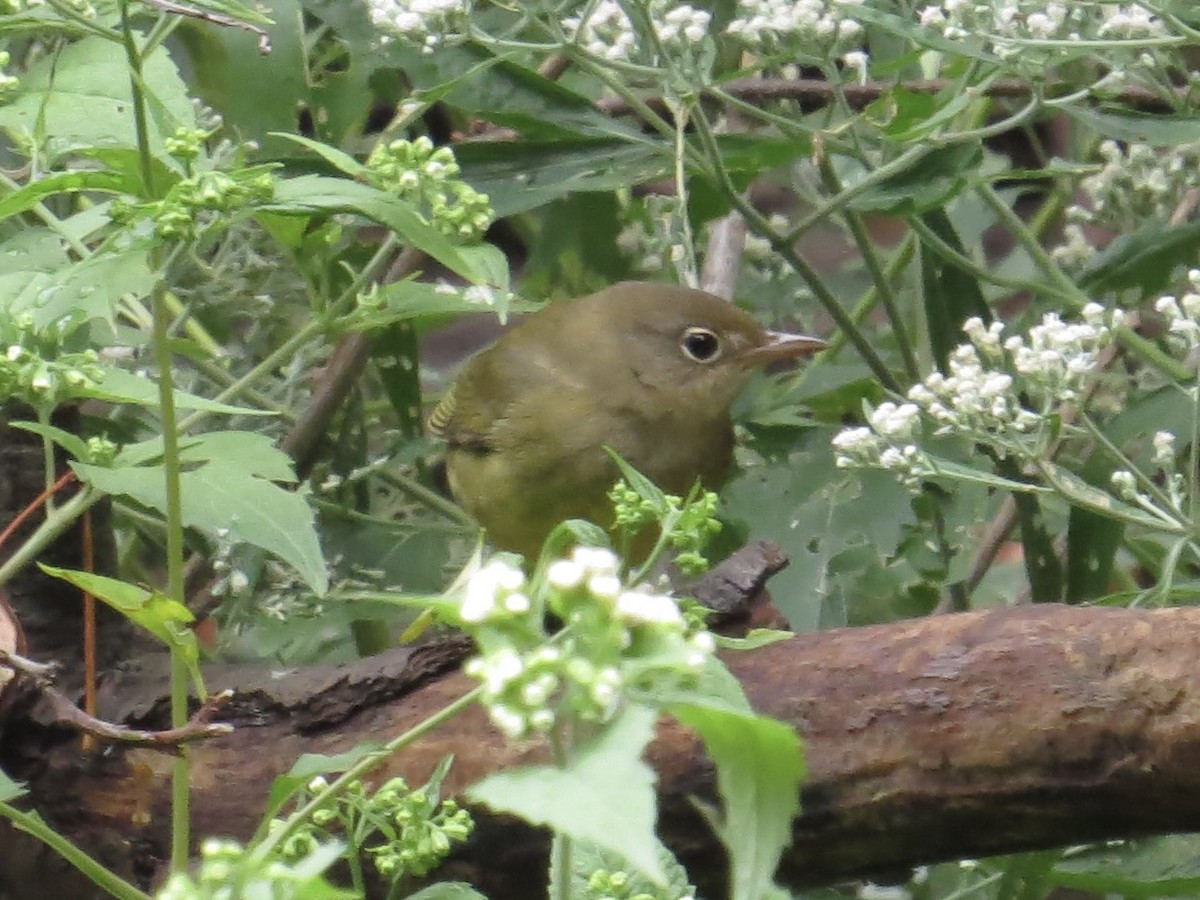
{"x": 649, "y": 370}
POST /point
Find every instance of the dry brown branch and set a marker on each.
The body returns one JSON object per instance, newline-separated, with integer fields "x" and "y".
{"x": 63, "y": 712}
{"x": 814, "y": 93}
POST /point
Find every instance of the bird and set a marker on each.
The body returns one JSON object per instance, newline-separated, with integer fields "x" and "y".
{"x": 648, "y": 370}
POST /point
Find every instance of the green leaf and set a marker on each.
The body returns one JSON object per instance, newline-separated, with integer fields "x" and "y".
{"x": 1144, "y": 260}
{"x": 448, "y": 890}
{"x": 958, "y": 471}
{"x": 74, "y": 181}
{"x": 120, "y": 386}
{"x": 907, "y": 28}
{"x": 164, "y": 617}
{"x": 604, "y": 795}
{"x": 716, "y": 686}
{"x": 88, "y": 289}
{"x": 72, "y": 443}
{"x": 79, "y": 96}
{"x": 31, "y": 823}
{"x": 320, "y": 193}
{"x": 587, "y": 859}
{"x": 1100, "y": 501}
{"x": 911, "y": 115}
{"x": 1092, "y": 543}
{"x": 259, "y": 94}
{"x": 403, "y": 301}
{"x": 473, "y": 79}
{"x": 924, "y": 186}
{"x": 225, "y": 495}
{"x": 309, "y": 765}
{"x": 755, "y": 638}
{"x": 28, "y": 262}
{"x": 645, "y": 488}
{"x": 1157, "y": 867}
{"x": 9, "y": 789}
{"x": 519, "y": 176}
{"x": 951, "y": 295}
{"x": 1180, "y": 127}
{"x": 760, "y": 763}
{"x": 343, "y": 162}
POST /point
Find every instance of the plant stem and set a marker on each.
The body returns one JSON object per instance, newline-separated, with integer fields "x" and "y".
{"x": 881, "y": 280}
{"x": 1130, "y": 340}
{"x": 266, "y": 844}
{"x": 161, "y": 315}
{"x": 783, "y": 246}
{"x": 31, "y": 823}
{"x": 51, "y": 528}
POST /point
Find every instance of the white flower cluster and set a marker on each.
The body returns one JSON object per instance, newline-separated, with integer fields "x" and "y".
{"x": 887, "y": 442}
{"x": 807, "y": 24}
{"x": 529, "y": 682}
{"x": 1184, "y": 313}
{"x": 981, "y": 395}
{"x": 495, "y": 590}
{"x": 1005, "y": 27}
{"x": 1165, "y": 502}
{"x": 604, "y": 30}
{"x": 426, "y": 22}
{"x": 1138, "y": 182}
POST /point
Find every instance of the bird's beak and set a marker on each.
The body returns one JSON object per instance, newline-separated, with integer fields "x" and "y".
{"x": 782, "y": 345}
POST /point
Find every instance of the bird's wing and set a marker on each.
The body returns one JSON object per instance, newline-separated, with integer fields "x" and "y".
{"x": 496, "y": 385}
{"x": 447, "y": 423}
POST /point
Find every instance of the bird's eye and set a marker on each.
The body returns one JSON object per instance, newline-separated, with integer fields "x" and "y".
{"x": 700, "y": 344}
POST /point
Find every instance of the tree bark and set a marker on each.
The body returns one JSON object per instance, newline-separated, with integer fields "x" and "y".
{"x": 953, "y": 736}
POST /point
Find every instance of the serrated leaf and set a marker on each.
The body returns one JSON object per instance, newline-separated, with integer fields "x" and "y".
{"x": 760, "y": 763}
{"x": 9, "y": 789}
{"x": 233, "y": 503}
{"x": 587, "y": 858}
{"x": 120, "y": 386}
{"x": 321, "y": 193}
{"x": 604, "y": 796}
{"x": 79, "y": 96}
{"x": 164, "y": 617}
{"x": 88, "y": 289}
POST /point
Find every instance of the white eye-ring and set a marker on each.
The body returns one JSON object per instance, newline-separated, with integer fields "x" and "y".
{"x": 700, "y": 344}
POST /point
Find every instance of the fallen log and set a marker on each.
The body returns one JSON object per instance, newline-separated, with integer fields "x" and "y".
{"x": 933, "y": 739}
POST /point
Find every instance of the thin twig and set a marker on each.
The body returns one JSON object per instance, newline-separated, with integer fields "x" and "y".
{"x": 264, "y": 39}
{"x": 815, "y": 93}
{"x": 34, "y": 505}
{"x": 197, "y": 728}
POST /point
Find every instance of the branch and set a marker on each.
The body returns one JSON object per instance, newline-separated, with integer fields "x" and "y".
{"x": 63, "y": 712}
{"x": 959, "y": 735}
{"x": 815, "y": 93}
